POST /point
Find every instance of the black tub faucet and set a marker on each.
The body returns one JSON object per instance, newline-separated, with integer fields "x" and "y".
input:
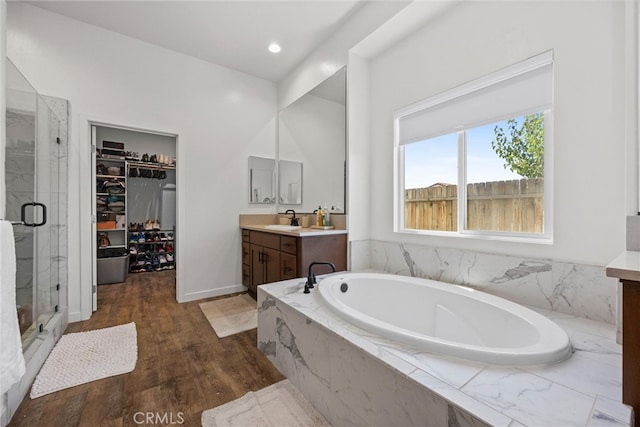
{"x": 311, "y": 278}
{"x": 294, "y": 220}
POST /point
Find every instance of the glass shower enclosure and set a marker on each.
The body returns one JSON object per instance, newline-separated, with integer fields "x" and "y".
{"x": 36, "y": 202}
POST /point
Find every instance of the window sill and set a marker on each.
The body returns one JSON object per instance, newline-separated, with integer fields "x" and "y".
{"x": 478, "y": 235}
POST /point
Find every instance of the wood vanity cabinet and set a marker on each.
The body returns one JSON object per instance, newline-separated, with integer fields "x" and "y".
{"x": 271, "y": 257}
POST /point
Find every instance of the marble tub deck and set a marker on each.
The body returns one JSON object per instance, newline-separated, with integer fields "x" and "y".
{"x": 584, "y": 390}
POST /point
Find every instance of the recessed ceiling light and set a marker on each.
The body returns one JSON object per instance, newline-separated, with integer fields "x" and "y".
{"x": 274, "y": 48}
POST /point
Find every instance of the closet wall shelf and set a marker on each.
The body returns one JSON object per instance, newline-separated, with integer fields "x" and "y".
{"x": 110, "y": 176}
{"x": 146, "y": 165}
{"x": 111, "y": 158}
{"x": 112, "y": 247}
{"x": 162, "y": 242}
{"x": 114, "y": 194}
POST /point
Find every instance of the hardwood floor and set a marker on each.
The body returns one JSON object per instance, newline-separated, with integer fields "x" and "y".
{"x": 183, "y": 368}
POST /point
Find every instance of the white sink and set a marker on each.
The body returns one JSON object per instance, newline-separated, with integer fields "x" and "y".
{"x": 282, "y": 227}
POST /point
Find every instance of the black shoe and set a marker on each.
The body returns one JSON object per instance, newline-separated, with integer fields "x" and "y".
{"x": 145, "y": 157}
{"x": 153, "y": 159}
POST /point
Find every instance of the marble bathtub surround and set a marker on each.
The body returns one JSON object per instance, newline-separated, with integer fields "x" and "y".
{"x": 576, "y": 289}
{"x": 354, "y": 377}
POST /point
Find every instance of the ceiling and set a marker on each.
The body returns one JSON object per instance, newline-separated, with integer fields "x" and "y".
{"x": 234, "y": 34}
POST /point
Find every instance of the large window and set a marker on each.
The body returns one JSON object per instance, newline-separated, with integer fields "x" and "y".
{"x": 475, "y": 160}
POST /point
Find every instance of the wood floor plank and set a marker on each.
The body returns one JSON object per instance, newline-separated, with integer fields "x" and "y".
{"x": 182, "y": 368}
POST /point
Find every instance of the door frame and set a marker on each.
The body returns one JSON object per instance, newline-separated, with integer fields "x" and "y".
{"x": 88, "y": 256}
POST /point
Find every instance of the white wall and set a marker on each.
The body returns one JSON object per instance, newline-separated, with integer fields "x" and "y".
{"x": 220, "y": 116}
{"x": 3, "y": 118}
{"x": 3, "y": 38}
{"x": 333, "y": 54}
{"x": 476, "y": 38}
{"x": 312, "y": 131}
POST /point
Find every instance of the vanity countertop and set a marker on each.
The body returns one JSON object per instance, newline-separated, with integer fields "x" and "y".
{"x": 626, "y": 266}
{"x": 300, "y": 232}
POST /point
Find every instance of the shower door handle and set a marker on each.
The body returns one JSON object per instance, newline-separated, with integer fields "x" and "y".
{"x": 23, "y": 214}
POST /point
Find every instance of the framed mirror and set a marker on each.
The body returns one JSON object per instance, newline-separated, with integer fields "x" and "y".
{"x": 312, "y": 131}
{"x": 290, "y": 182}
{"x": 262, "y": 180}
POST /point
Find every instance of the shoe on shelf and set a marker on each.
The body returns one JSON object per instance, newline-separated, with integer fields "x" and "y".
{"x": 145, "y": 157}
{"x": 153, "y": 158}
{"x": 169, "y": 258}
{"x": 133, "y": 250}
{"x": 168, "y": 247}
{"x": 163, "y": 237}
{"x": 169, "y": 236}
{"x": 141, "y": 238}
{"x": 156, "y": 224}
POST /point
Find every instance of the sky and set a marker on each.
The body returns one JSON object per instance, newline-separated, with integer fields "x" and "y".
{"x": 435, "y": 160}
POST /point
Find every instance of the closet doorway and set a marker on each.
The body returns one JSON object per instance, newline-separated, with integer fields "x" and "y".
{"x": 134, "y": 204}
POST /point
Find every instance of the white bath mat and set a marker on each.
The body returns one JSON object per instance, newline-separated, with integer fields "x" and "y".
{"x": 83, "y": 357}
{"x": 231, "y": 315}
{"x": 278, "y": 405}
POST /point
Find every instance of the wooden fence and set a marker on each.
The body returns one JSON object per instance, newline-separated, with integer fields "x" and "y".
{"x": 514, "y": 206}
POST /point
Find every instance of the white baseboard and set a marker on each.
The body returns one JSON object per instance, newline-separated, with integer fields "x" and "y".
{"x": 75, "y": 316}
{"x": 194, "y": 296}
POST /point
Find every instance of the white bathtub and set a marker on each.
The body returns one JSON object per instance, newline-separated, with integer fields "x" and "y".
{"x": 446, "y": 319}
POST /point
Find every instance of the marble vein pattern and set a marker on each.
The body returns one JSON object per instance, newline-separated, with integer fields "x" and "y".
{"x": 576, "y": 289}
{"x": 357, "y": 378}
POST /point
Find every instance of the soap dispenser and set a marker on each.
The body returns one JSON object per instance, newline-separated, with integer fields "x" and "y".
{"x": 319, "y": 216}
{"x": 326, "y": 221}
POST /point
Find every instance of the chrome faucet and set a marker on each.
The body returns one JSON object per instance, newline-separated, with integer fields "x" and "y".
{"x": 311, "y": 278}
{"x": 294, "y": 220}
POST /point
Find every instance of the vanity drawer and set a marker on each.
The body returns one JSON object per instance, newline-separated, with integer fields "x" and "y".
{"x": 245, "y": 235}
{"x": 267, "y": 240}
{"x": 288, "y": 244}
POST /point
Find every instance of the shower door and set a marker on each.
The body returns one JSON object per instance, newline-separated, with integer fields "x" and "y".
{"x": 35, "y": 203}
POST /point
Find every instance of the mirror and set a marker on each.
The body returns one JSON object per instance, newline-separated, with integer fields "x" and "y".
{"x": 312, "y": 131}
{"x": 290, "y": 182}
{"x": 262, "y": 180}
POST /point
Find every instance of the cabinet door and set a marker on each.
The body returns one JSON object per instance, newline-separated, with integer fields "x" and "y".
{"x": 246, "y": 253}
{"x": 246, "y": 275}
{"x": 288, "y": 266}
{"x": 271, "y": 261}
{"x": 257, "y": 268}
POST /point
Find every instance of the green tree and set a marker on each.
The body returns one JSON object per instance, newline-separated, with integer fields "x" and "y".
{"x": 523, "y": 148}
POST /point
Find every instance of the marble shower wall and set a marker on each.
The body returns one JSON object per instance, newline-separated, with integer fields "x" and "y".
{"x": 576, "y": 289}
{"x": 36, "y": 170}
{"x": 20, "y": 183}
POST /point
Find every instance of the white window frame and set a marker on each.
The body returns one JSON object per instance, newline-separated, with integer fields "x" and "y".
{"x": 546, "y": 237}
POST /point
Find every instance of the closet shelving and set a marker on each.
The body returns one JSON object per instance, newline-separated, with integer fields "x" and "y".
{"x": 111, "y": 222}
{"x": 150, "y": 165}
{"x": 151, "y": 254}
